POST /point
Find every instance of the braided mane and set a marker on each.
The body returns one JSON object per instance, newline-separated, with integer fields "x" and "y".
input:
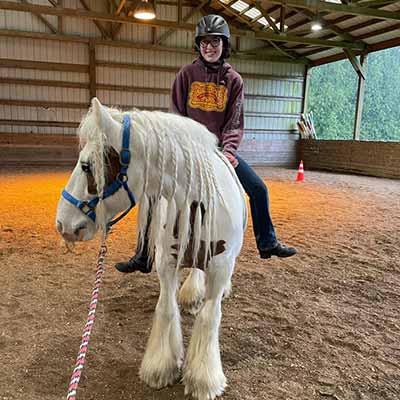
{"x": 177, "y": 154}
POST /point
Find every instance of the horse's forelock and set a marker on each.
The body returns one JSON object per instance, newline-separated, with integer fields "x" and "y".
{"x": 90, "y": 134}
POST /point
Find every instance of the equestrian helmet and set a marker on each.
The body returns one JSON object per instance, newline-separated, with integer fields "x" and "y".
{"x": 212, "y": 25}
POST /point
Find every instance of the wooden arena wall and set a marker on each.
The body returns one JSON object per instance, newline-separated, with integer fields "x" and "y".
{"x": 38, "y": 150}
{"x": 380, "y": 159}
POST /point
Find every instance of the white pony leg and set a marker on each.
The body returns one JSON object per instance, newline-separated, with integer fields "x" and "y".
{"x": 192, "y": 292}
{"x": 164, "y": 352}
{"x": 203, "y": 376}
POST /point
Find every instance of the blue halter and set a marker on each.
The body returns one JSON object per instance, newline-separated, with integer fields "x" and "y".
{"x": 88, "y": 207}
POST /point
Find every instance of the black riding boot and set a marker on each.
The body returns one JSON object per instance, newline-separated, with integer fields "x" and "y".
{"x": 279, "y": 250}
{"x": 140, "y": 261}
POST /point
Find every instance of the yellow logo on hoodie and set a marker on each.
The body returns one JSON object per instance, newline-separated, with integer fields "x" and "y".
{"x": 208, "y": 96}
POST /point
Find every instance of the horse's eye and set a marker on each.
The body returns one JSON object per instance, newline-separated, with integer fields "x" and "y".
{"x": 86, "y": 168}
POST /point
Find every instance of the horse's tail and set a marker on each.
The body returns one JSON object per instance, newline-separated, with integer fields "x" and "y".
{"x": 236, "y": 179}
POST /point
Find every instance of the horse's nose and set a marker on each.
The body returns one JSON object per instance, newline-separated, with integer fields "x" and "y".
{"x": 79, "y": 231}
{"x": 73, "y": 234}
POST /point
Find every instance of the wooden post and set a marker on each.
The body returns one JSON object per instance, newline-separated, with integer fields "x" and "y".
{"x": 360, "y": 99}
{"x": 60, "y": 18}
{"x": 282, "y": 19}
{"x": 179, "y": 11}
{"x": 306, "y": 84}
{"x": 237, "y": 43}
{"x": 92, "y": 68}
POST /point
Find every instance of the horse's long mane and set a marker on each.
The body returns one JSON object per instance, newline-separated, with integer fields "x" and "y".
{"x": 177, "y": 153}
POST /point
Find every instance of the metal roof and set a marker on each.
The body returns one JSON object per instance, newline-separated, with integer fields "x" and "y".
{"x": 359, "y": 26}
{"x": 277, "y": 30}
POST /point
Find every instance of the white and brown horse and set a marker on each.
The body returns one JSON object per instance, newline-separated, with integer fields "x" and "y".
{"x": 172, "y": 166}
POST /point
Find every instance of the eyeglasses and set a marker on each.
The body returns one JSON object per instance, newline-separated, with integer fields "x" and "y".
{"x": 214, "y": 43}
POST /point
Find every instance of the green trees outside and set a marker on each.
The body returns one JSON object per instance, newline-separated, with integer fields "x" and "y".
{"x": 332, "y": 98}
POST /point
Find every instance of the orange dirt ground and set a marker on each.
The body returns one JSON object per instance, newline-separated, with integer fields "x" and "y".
{"x": 322, "y": 325}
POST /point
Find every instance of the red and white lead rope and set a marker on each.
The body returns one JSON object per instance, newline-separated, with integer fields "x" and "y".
{"x": 80, "y": 360}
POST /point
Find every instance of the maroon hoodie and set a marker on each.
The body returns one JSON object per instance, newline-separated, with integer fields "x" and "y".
{"x": 212, "y": 95}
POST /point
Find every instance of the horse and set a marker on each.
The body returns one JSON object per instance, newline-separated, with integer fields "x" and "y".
{"x": 172, "y": 167}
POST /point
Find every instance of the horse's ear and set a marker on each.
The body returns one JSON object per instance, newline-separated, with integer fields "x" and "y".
{"x": 103, "y": 118}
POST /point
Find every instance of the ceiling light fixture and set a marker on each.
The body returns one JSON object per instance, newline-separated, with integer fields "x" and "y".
{"x": 144, "y": 10}
{"x": 316, "y": 24}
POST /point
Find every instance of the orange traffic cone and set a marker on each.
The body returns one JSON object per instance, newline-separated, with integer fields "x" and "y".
{"x": 300, "y": 173}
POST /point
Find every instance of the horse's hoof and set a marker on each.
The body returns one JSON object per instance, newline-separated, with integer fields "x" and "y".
{"x": 193, "y": 307}
{"x": 204, "y": 390}
{"x": 160, "y": 378}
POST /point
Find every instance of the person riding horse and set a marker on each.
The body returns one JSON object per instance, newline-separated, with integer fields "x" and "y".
{"x": 211, "y": 92}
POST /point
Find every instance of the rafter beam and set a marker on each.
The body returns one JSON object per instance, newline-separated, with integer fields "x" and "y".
{"x": 120, "y": 7}
{"x": 104, "y": 33}
{"x": 355, "y": 62}
{"x": 334, "y": 22}
{"x": 364, "y": 36}
{"x": 326, "y": 24}
{"x": 340, "y": 8}
{"x": 115, "y": 30}
{"x": 372, "y": 48}
{"x": 339, "y": 20}
{"x": 374, "y": 3}
{"x": 186, "y": 18}
{"x": 134, "y": 45}
{"x": 267, "y": 17}
{"x": 284, "y": 52}
{"x": 309, "y": 41}
{"x": 91, "y": 15}
{"x": 42, "y": 19}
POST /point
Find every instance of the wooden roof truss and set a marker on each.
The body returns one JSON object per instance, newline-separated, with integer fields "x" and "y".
{"x": 283, "y": 25}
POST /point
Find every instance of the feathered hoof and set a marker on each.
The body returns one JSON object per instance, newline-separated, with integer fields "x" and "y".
{"x": 191, "y": 293}
{"x": 158, "y": 378}
{"x": 203, "y": 389}
{"x": 191, "y": 307}
{"x": 190, "y": 300}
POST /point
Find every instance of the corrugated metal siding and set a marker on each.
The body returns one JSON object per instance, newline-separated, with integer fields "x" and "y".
{"x": 178, "y": 38}
{"x": 136, "y": 33}
{"x": 94, "y": 5}
{"x": 43, "y": 51}
{"x": 273, "y": 96}
{"x": 249, "y": 44}
{"x": 75, "y": 26}
{"x": 24, "y": 21}
{"x": 277, "y": 112}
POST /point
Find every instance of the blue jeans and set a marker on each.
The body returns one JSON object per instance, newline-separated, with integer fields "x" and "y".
{"x": 255, "y": 188}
